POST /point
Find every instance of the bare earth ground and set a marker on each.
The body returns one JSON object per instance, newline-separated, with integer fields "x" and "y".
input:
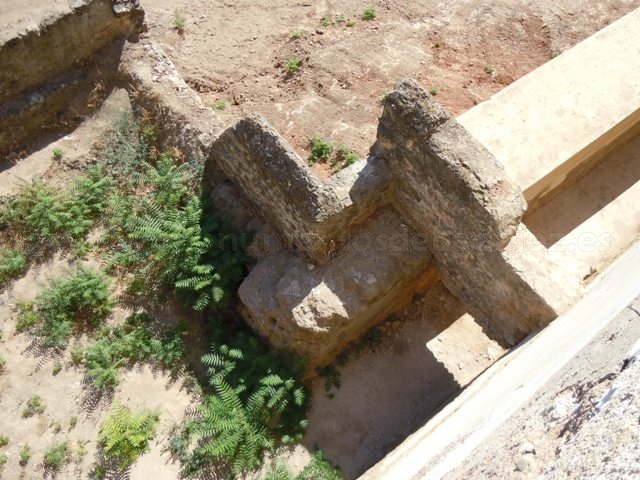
{"x": 236, "y": 50}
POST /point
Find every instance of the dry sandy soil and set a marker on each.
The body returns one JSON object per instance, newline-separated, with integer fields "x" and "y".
{"x": 235, "y": 52}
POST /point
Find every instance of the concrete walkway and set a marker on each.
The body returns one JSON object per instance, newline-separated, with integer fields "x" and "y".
{"x": 471, "y": 418}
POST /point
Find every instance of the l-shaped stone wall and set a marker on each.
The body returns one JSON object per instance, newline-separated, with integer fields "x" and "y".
{"x": 429, "y": 202}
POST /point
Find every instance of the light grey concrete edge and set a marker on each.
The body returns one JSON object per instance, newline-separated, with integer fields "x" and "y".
{"x": 449, "y": 437}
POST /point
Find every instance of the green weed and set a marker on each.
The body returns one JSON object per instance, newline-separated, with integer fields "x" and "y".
{"x": 125, "y": 435}
{"x": 56, "y": 455}
{"x": 131, "y": 342}
{"x": 321, "y": 150}
{"x": 25, "y": 455}
{"x": 34, "y": 405}
{"x": 257, "y": 405}
{"x": 80, "y": 299}
{"x": 179, "y": 21}
{"x": 292, "y": 66}
{"x": 369, "y": 13}
{"x": 12, "y": 264}
{"x": 58, "y": 153}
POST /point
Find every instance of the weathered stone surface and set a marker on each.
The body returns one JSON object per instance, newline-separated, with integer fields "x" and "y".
{"x": 317, "y": 310}
{"x": 446, "y": 185}
{"x": 311, "y": 215}
{"x": 457, "y": 196}
{"x": 180, "y": 117}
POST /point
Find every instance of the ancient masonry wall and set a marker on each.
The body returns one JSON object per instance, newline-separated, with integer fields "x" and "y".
{"x": 428, "y": 202}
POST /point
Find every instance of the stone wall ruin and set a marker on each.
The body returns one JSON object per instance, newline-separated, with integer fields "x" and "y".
{"x": 428, "y": 203}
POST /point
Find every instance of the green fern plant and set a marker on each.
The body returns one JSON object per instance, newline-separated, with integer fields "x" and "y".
{"x": 318, "y": 468}
{"x": 171, "y": 240}
{"x": 125, "y": 435}
{"x": 12, "y": 264}
{"x": 134, "y": 341}
{"x": 41, "y": 213}
{"x": 81, "y": 298}
{"x": 257, "y": 405}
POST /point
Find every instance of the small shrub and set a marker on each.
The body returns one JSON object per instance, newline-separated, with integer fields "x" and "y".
{"x": 25, "y": 455}
{"x": 383, "y": 97}
{"x": 81, "y": 297}
{"x": 296, "y": 35}
{"x": 34, "y": 405}
{"x": 73, "y": 421}
{"x": 258, "y": 404}
{"x": 220, "y": 105}
{"x": 58, "y": 153}
{"x": 325, "y": 21}
{"x": 12, "y": 264}
{"x": 57, "y": 367}
{"x": 81, "y": 249}
{"x": 437, "y": 44}
{"x": 489, "y": 70}
{"x": 81, "y": 451}
{"x": 179, "y": 21}
{"x": 293, "y": 65}
{"x": 369, "y": 13}
{"x": 351, "y": 23}
{"x": 433, "y": 91}
{"x": 2, "y": 363}
{"x": 77, "y": 354}
{"x": 320, "y": 150}
{"x": 56, "y": 427}
{"x": 3, "y": 459}
{"x": 43, "y": 214}
{"x": 344, "y": 157}
{"x": 319, "y": 468}
{"x": 56, "y": 455}
{"x": 125, "y": 435}
{"x": 131, "y": 342}
{"x": 27, "y": 316}
{"x": 4, "y": 440}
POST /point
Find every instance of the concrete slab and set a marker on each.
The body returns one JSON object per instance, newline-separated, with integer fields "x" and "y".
{"x": 596, "y": 218}
{"x": 565, "y": 113}
{"x": 494, "y": 396}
